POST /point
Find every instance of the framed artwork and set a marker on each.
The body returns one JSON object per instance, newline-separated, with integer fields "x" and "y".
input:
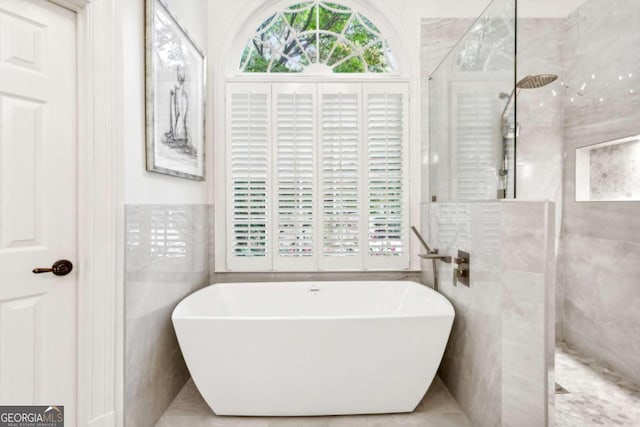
{"x": 175, "y": 96}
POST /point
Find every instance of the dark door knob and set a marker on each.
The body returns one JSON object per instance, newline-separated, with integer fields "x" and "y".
{"x": 59, "y": 268}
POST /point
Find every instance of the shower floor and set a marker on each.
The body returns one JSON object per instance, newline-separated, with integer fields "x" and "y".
{"x": 595, "y": 396}
{"x": 437, "y": 409}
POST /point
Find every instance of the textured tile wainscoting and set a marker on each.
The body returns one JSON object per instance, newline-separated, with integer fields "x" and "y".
{"x": 600, "y": 241}
{"x": 167, "y": 257}
{"x": 499, "y": 360}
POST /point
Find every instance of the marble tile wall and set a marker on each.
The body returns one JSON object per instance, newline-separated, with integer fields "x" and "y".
{"x": 600, "y": 241}
{"x": 168, "y": 256}
{"x": 471, "y": 366}
{"x": 497, "y": 360}
{"x": 513, "y": 246}
{"x": 528, "y": 338}
{"x": 540, "y": 113}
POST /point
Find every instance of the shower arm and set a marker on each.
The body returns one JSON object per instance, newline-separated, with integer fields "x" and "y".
{"x": 509, "y": 106}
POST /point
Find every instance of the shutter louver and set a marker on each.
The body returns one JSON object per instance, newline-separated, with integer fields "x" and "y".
{"x": 295, "y": 175}
{"x": 385, "y": 183}
{"x": 475, "y": 139}
{"x": 340, "y": 140}
{"x": 249, "y": 170}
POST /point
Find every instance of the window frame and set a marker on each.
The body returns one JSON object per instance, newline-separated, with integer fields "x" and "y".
{"x": 407, "y": 71}
{"x": 387, "y": 35}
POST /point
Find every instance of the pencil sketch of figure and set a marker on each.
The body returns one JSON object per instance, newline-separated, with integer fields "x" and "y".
{"x": 178, "y": 137}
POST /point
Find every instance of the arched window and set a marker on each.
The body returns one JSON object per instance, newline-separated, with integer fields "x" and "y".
{"x": 317, "y": 35}
{"x": 316, "y": 169}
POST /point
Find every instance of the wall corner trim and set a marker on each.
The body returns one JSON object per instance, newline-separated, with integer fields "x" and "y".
{"x": 100, "y": 214}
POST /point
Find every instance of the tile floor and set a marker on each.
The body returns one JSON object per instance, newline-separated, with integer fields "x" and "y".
{"x": 437, "y": 409}
{"x": 596, "y": 396}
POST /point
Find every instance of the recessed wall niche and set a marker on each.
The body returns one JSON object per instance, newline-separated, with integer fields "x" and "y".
{"x": 609, "y": 171}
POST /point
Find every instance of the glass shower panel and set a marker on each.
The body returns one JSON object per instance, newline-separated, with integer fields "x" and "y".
{"x": 472, "y": 130}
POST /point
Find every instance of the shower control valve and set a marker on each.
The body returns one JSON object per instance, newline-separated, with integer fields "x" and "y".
{"x": 463, "y": 272}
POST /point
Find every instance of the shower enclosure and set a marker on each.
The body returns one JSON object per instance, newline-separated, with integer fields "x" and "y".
{"x": 471, "y": 163}
{"x": 472, "y": 117}
{"x": 575, "y": 142}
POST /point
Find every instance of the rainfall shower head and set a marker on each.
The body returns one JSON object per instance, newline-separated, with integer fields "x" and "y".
{"x": 537, "y": 81}
{"x": 529, "y": 82}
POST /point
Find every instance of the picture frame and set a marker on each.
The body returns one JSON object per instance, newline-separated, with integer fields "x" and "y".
{"x": 175, "y": 83}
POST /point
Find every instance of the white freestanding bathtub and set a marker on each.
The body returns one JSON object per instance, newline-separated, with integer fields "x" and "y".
{"x": 313, "y": 348}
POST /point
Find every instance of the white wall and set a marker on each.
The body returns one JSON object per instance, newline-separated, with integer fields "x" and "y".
{"x": 142, "y": 186}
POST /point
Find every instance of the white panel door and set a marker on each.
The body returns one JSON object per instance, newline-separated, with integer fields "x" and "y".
{"x": 37, "y": 204}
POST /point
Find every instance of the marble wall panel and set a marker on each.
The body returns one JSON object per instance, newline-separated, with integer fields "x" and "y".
{"x": 600, "y": 241}
{"x": 512, "y": 246}
{"x": 168, "y": 256}
{"x": 540, "y": 113}
{"x": 602, "y": 300}
{"x": 471, "y": 366}
{"x": 527, "y": 313}
{"x": 496, "y": 362}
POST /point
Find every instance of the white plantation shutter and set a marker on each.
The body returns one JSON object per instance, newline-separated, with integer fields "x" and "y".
{"x": 295, "y": 169}
{"x": 339, "y": 171}
{"x": 248, "y": 133}
{"x": 386, "y": 189}
{"x": 475, "y": 133}
{"x": 318, "y": 176}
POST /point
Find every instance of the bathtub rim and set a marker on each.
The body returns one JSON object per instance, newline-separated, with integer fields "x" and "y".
{"x": 175, "y": 315}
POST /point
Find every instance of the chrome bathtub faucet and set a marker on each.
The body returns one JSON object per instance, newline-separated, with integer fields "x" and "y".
{"x": 460, "y": 274}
